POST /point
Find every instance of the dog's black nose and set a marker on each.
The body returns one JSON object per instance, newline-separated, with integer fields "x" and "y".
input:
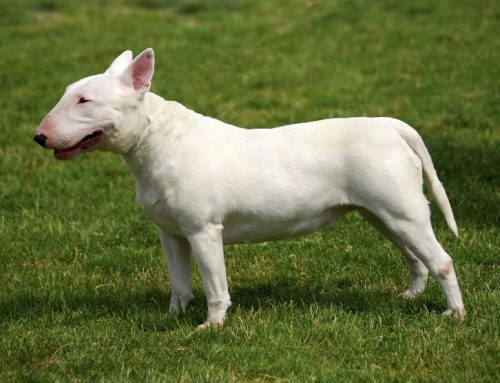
{"x": 40, "y": 139}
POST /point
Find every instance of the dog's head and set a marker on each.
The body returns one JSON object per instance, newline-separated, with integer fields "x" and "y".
{"x": 101, "y": 111}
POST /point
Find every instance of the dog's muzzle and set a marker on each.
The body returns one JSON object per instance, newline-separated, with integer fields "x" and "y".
{"x": 40, "y": 139}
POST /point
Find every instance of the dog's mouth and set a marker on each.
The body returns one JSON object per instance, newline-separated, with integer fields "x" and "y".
{"x": 85, "y": 143}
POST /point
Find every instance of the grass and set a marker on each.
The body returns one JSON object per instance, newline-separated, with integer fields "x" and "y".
{"x": 84, "y": 292}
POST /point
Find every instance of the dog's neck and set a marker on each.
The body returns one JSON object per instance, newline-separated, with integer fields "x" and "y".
{"x": 160, "y": 126}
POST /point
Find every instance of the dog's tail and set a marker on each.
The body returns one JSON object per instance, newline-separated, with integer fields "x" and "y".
{"x": 416, "y": 143}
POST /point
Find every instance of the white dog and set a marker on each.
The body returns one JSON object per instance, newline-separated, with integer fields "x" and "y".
{"x": 206, "y": 183}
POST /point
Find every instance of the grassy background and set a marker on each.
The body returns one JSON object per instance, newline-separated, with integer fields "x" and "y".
{"x": 83, "y": 292}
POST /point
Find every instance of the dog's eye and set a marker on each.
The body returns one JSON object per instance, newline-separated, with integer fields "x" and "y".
{"x": 82, "y": 100}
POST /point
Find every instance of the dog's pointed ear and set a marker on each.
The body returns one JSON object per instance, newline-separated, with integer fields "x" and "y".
{"x": 140, "y": 71}
{"x": 120, "y": 64}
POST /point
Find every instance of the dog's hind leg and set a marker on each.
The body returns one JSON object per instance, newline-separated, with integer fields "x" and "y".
{"x": 178, "y": 254}
{"x": 418, "y": 271}
{"x": 418, "y": 275}
{"x": 414, "y": 232}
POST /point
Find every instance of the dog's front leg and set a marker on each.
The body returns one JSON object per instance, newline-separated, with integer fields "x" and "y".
{"x": 178, "y": 255}
{"x": 208, "y": 251}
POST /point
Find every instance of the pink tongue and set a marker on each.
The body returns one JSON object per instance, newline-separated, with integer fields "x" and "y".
{"x": 67, "y": 154}
{"x": 72, "y": 152}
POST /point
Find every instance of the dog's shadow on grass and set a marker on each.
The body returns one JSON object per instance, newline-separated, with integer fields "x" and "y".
{"x": 340, "y": 296}
{"x": 148, "y": 307}
{"x": 273, "y": 294}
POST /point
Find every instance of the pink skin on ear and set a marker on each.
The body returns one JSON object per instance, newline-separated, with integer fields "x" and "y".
{"x": 142, "y": 71}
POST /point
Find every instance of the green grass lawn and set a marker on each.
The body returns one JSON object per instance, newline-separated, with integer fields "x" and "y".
{"x": 83, "y": 288}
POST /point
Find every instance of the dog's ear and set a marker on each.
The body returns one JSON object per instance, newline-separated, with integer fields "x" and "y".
{"x": 120, "y": 64}
{"x": 140, "y": 71}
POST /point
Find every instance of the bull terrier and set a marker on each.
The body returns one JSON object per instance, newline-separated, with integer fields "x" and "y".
{"x": 206, "y": 183}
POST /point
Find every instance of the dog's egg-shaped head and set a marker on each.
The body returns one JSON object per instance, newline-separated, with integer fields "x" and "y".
{"x": 101, "y": 111}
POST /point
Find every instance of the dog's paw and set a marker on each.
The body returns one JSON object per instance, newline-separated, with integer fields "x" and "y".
{"x": 216, "y": 314}
{"x": 458, "y": 313}
{"x": 205, "y": 325}
{"x": 408, "y": 294}
{"x": 173, "y": 308}
{"x": 178, "y": 303}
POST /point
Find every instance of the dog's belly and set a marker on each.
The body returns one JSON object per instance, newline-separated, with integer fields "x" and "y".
{"x": 247, "y": 229}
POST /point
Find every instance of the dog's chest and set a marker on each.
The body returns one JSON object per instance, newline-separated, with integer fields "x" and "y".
{"x": 159, "y": 211}
{"x": 153, "y": 198}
